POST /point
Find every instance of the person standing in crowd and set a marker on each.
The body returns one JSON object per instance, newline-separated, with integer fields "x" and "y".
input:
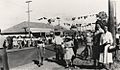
{"x": 15, "y": 44}
{"x": 75, "y": 48}
{"x": 58, "y": 46}
{"x": 117, "y": 46}
{"x": 96, "y": 43}
{"x": 89, "y": 45}
{"x": 68, "y": 45}
{"x": 106, "y": 57}
{"x": 41, "y": 51}
{"x": 3, "y": 53}
{"x": 10, "y": 42}
{"x": 75, "y": 41}
{"x": 82, "y": 39}
{"x": 20, "y": 42}
{"x": 99, "y": 30}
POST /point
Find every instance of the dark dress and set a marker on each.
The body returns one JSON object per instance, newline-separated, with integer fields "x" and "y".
{"x": 96, "y": 44}
{"x": 75, "y": 46}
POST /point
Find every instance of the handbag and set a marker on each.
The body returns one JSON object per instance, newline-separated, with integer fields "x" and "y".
{"x": 111, "y": 49}
{"x": 102, "y": 47}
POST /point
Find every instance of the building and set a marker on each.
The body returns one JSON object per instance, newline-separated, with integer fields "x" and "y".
{"x": 35, "y": 29}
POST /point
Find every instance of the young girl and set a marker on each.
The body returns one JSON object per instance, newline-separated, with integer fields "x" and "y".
{"x": 69, "y": 51}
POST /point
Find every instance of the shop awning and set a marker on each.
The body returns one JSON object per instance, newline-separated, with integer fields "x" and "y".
{"x": 35, "y": 30}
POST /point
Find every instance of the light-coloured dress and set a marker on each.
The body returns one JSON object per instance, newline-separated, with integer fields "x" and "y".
{"x": 69, "y": 50}
{"x": 106, "y": 57}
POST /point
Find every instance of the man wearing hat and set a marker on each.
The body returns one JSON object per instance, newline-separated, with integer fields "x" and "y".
{"x": 58, "y": 40}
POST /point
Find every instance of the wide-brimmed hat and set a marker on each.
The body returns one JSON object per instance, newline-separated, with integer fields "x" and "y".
{"x": 102, "y": 15}
{"x": 68, "y": 38}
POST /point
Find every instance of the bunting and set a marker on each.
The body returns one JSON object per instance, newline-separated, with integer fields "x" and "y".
{"x": 102, "y": 14}
{"x": 84, "y": 17}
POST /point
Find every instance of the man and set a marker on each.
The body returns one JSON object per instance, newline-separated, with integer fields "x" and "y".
{"x": 75, "y": 41}
{"x": 58, "y": 48}
{"x": 3, "y": 54}
{"x": 75, "y": 48}
{"x": 40, "y": 50}
{"x": 105, "y": 56}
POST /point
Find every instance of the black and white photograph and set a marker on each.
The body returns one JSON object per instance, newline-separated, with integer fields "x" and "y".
{"x": 59, "y": 35}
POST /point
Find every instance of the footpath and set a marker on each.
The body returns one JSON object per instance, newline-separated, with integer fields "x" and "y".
{"x": 47, "y": 66}
{"x": 52, "y": 65}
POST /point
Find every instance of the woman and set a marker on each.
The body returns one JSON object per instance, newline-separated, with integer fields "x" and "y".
{"x": 105, "y": 56}
{"x": 69, "y": 51}
{"x": 96, "y": 43}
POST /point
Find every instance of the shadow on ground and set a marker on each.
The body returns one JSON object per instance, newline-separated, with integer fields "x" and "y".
{"x": 36, "y": 62}
{"x": 59, "y": 62}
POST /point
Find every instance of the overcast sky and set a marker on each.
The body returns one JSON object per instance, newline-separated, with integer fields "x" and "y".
{"x": 13, "y": 12}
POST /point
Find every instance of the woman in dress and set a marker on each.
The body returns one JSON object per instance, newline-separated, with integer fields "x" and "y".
{"x": 106, "y": 57}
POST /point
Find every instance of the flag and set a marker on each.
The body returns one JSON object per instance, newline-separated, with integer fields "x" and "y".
{"x": 40, "y": 18}
{"x": 73, "y": 18}
{"x": 79, "y": 17}
{"x": 44, "y": 18}
{"x": 57, "y": 17}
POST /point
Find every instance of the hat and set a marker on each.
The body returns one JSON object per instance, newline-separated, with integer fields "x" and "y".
{"x": 69, "y": 37}
{"x": 102, "y": 15}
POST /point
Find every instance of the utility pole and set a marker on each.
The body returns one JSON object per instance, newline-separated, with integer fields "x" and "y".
{"x": 28, "y": 2}
{"x": 5, "y": 60}
{"x": 111, "y": 18}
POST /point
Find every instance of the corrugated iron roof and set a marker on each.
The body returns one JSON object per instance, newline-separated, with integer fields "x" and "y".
{"x": 24, "y": 25}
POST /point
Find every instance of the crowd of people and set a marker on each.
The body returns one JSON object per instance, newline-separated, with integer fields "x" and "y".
{"x": 21, "y": 42}
{"x": 97, "y": 45}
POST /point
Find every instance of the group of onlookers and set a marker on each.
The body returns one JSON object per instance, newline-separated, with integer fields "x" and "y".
{"x": 22, "y": 42}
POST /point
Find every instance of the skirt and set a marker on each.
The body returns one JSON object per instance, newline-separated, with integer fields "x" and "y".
{"x": 69, "y": 53}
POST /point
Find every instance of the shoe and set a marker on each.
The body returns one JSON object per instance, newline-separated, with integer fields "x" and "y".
{"x": 75, "y": 67}
{"x": 66, "y": 66}
{"x": 69, "y": 69}
{"x": 39, "y": 65}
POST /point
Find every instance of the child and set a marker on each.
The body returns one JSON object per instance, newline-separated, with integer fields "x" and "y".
{"x": 69, "y": 51}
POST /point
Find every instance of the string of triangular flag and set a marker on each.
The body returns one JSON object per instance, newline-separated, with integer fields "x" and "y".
{"x": 50, "y": 20}
{"x": 79, "y": 25}
{"x": 84, "y": 17}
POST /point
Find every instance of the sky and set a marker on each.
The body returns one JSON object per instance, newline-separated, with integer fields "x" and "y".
{"x": 13, "y": 12}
